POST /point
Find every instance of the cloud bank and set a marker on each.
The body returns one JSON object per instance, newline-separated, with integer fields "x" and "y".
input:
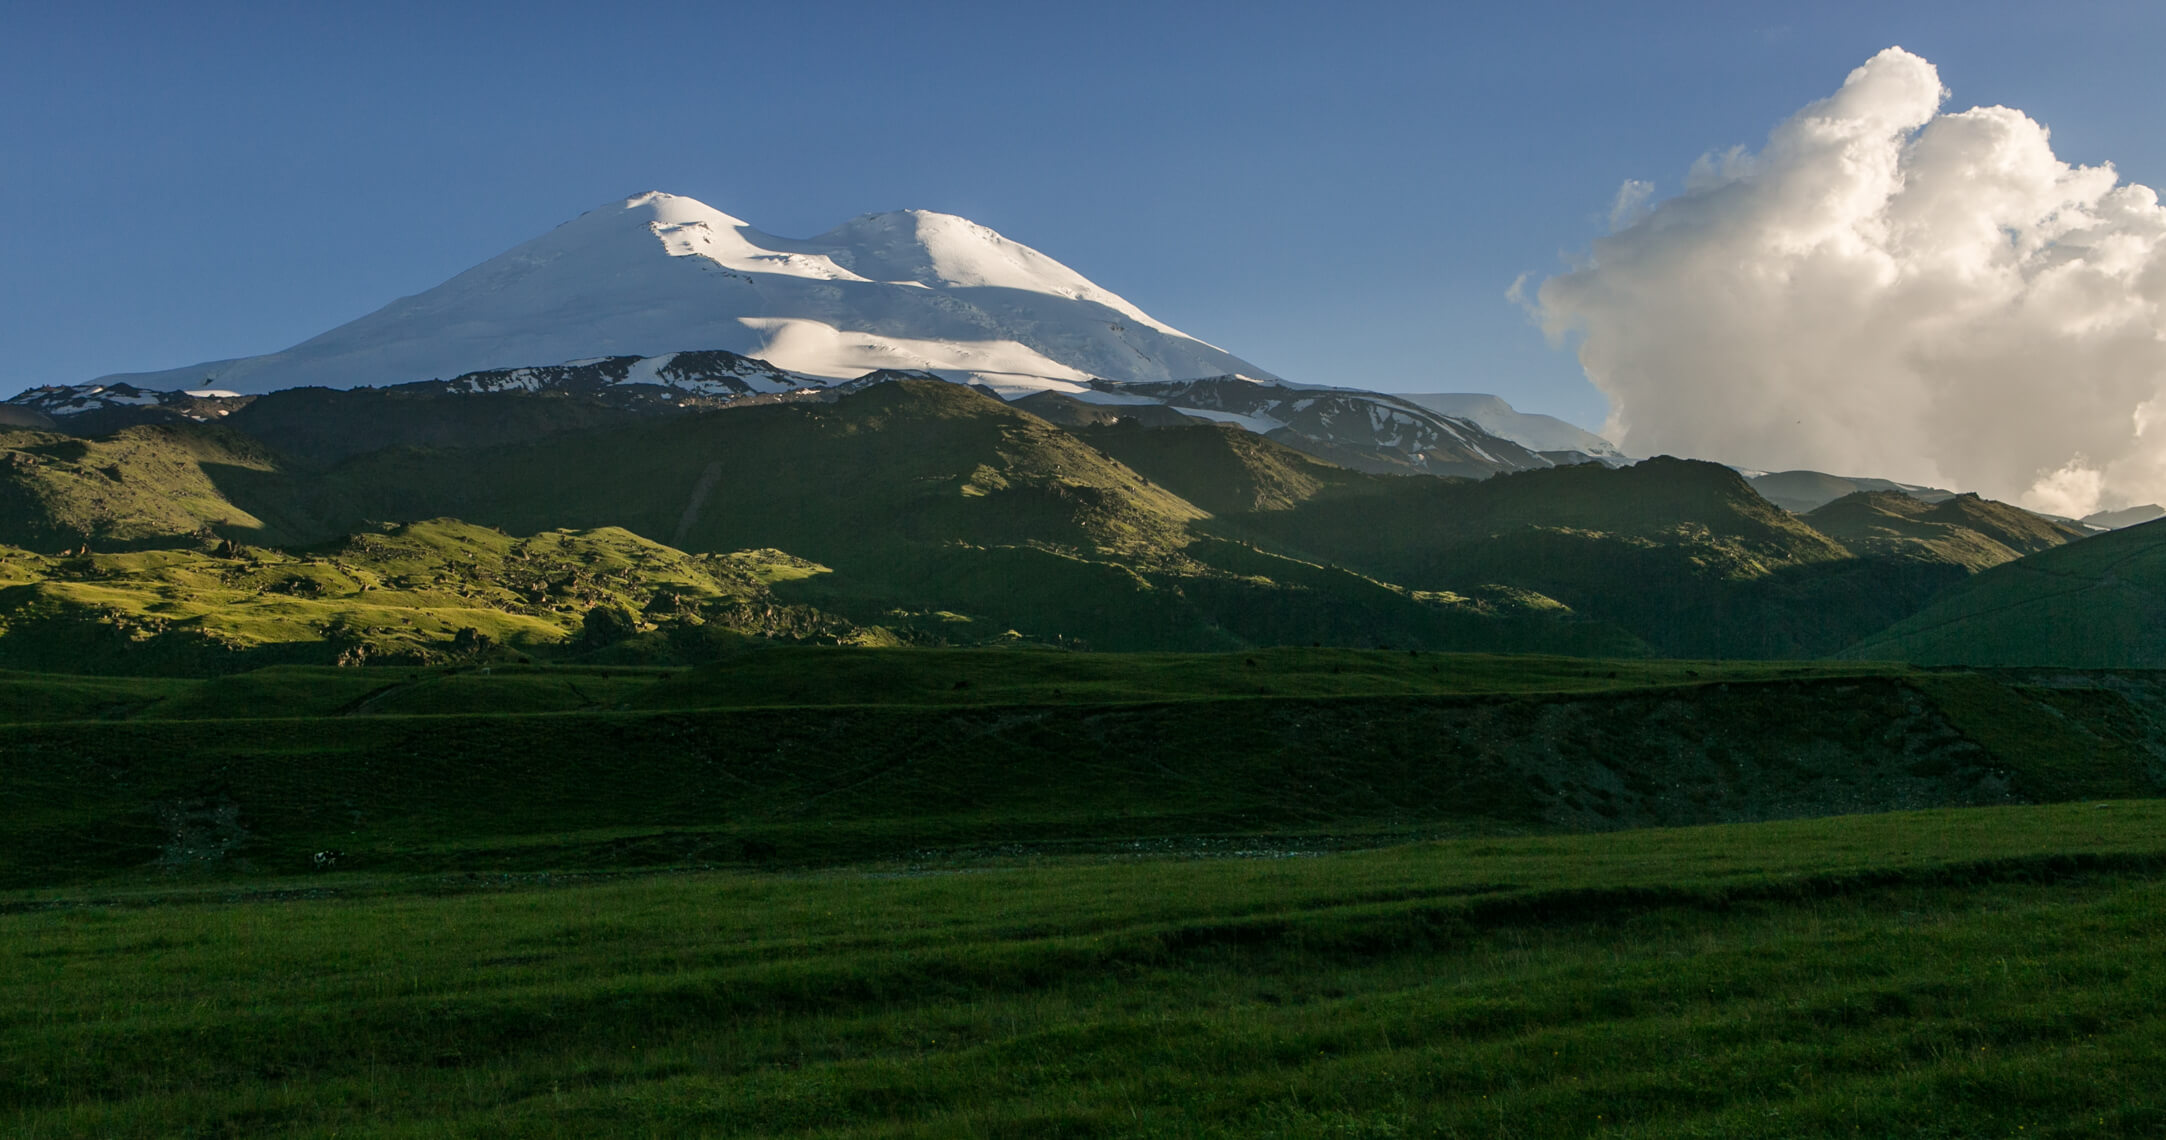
{"x": 1884, "y": 289}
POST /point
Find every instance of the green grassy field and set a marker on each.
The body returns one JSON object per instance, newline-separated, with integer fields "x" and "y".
{"x": 1954, "y": 973}
{"x": 864, "y": 892}
{"x": 794, "y": 756}
{"x": 767, "y": 676}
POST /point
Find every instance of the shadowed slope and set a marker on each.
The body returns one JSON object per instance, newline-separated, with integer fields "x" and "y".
{"x": 2100, "y": 602}
{"x": 1683, "y": 554}
{"x": 903, "y": 461}
{"x": 1226, "y": 470}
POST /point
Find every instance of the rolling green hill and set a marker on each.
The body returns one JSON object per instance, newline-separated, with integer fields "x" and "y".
{"x": 153, "y": 485}
{"x": 901, "y": 462}
{"x": 1683, "y": 555}
{"x": 2099, "y": 603}
{"x": 427, "y": 592}
{"x": 949, "y": 517}
{"x": 943, "y": 513}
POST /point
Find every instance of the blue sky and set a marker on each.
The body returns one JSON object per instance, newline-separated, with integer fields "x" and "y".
{"x": 1340, "y": 193}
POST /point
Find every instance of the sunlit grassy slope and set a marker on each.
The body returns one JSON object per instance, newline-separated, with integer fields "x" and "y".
{"x": 432, "y": 591}
{"x": 142, "y": 486}
{"x": 1975, "y": 973}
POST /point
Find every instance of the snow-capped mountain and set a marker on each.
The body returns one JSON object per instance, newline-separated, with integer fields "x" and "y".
{"x": 661, "y": 302}
{"x": 659, "y": 273}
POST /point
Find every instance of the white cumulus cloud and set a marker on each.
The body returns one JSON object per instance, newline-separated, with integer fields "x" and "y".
{"x": 1887, "y": 289}
{"x": 1630, "y": 205}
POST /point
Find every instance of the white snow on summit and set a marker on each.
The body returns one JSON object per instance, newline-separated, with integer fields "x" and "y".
{"x": 658, "y": 273}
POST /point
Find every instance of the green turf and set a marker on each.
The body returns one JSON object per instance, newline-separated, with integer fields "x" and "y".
{"x": 784, "y": 755}
{"x": 764, "y": 674}
{"x": 1945, "y": 974}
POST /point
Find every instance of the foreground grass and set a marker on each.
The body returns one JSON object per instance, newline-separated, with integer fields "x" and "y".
{"x": 1960, "y": 973}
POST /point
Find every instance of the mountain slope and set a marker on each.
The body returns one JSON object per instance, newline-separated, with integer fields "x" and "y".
{"x": 955, "y": 517}
{"x": 1367, "y": 431}
{"x": 149, "y": 485}
{"x": 433, "y": 591}
{"x": 908, "y": 460}
{"x": 1683, "y": 554}
{"x": 946, "y": 514}
{"x": 2100, "y": 603}
{"x": 1964, "y": 530}
{"x": 1529, "y": 430}
{"x": 1224, "y": 469}
{"x": 1802, "y": 491}
{"x": 659, "y": 273}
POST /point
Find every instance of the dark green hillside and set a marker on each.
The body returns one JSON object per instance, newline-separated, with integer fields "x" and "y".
{"x": 1963, "y": 531}
{"x": 1226, "y": 470}
{"x": 930, "y": 499}
{"x": 1415, "y": 528}
{"x": 321, "y": 426}
{"x": 1272, "y": 599}
{"x": 948, "y": 517}
{"x": 1069, "y": 412}
{"x": 2098, "y": 603}
{"x": 805, "y": 756}
{"x": 1683, "y": 555}
{"x": 908, "y": 461}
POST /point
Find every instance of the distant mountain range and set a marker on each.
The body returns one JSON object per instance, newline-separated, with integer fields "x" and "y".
{"x": 897, "y": 510}
{"x": 908, "y": 430}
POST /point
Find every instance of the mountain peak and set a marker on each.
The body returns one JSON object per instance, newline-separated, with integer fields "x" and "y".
{"x": 656, "y": 273}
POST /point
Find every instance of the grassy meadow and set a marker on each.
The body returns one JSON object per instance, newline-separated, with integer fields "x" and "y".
{"x": 858, "y": 892}
{"x": 791, "y": 756}
{"x": 1953, "y": 973}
